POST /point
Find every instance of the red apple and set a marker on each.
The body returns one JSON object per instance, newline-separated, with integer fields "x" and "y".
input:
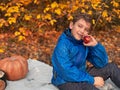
{"x": 86, "y": 39}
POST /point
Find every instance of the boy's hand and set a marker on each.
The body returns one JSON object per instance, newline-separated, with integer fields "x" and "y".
{"x": 98, "y": 82}
{"x": 92, "y": 42}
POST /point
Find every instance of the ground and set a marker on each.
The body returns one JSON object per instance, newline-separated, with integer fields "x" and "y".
{"x": 40, "y": 46}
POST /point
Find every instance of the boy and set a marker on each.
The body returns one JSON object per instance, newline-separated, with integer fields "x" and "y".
{"x": 70, "y": 56}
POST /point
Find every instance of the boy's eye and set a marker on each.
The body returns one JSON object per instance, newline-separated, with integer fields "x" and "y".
{"x": 87, "y": 30}
{"x": 79, "y": 25}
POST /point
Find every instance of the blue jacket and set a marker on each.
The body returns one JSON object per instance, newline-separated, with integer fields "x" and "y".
{"x": 69, "y": 60}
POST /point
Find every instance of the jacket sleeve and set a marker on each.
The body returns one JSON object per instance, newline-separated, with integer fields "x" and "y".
{"x": 97, "y": 56}
{"x": 64, "y": 66}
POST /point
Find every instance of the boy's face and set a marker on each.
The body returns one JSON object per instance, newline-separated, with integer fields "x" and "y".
{"x": 80, "y": 29}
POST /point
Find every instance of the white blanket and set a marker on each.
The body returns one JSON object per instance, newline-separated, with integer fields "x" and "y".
{"x": 39, "y": 77}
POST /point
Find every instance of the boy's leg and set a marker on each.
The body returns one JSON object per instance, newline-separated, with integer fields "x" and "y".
{"x": 77, "y": 86}
{"x": 111, "y": 71}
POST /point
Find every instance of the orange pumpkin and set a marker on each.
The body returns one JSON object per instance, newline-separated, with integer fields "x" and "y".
{"x": 15, "y": 67}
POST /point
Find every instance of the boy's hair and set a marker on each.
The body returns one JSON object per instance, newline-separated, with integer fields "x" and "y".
{"x": 78, "y": 16}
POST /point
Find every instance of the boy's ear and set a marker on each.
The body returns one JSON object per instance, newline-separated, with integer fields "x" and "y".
{"x": 71, "y": 25}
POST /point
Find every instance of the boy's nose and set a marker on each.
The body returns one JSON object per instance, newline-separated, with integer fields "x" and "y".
{"x": 81, "y": 31}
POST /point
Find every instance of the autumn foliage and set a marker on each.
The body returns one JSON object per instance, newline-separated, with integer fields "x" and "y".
{"x": 21, "y": 12}
{"x": 26, "y": 20}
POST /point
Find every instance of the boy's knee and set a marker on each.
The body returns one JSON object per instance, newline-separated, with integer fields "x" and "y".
{"x": 112, "y": 65}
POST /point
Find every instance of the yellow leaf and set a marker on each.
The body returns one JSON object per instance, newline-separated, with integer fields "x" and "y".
{"x": 54, "y": 5}
{"x": 1, "y": 50}
{"x": 22, "y": 29}
{"x": 62, "y": 6}
{"x": 38, "y": 16}
{"x": 93, "y": 21}
{"x": 58, "y": 11}
{"x": 52, "y": 21}
{"x": 2, "y": 22}
{"x": 19, "y": 4}
{"x": 25, "y": 2}
{"x": 11, "y": 20}
{"x": 17, "y": 33}
{"x": 83, "y": 11}
{"x": 2, "y": 8}
{"x": 74, "y": 8}
{"x": 8, "y": 14}
{"x": 48, "y": 16}
{"x": 70, "y": 17}
{"x": 105, "y": 13}
{"x": 115, "y": 4}
{"x": 13, "y": 9}
{"x": 22, "y": 9}
{"x": 109, "y": 19}
{"x": 95, "y": 3}
{"x": 35, "y": 1}
{"x": 46, "y": 9}
{"x": 83, "y": 0}
{"x": 90, "y": 12}
{"x": 27, "y": 17}
{"x": 20, "y": 38}
{"x": 94, "y": 6}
